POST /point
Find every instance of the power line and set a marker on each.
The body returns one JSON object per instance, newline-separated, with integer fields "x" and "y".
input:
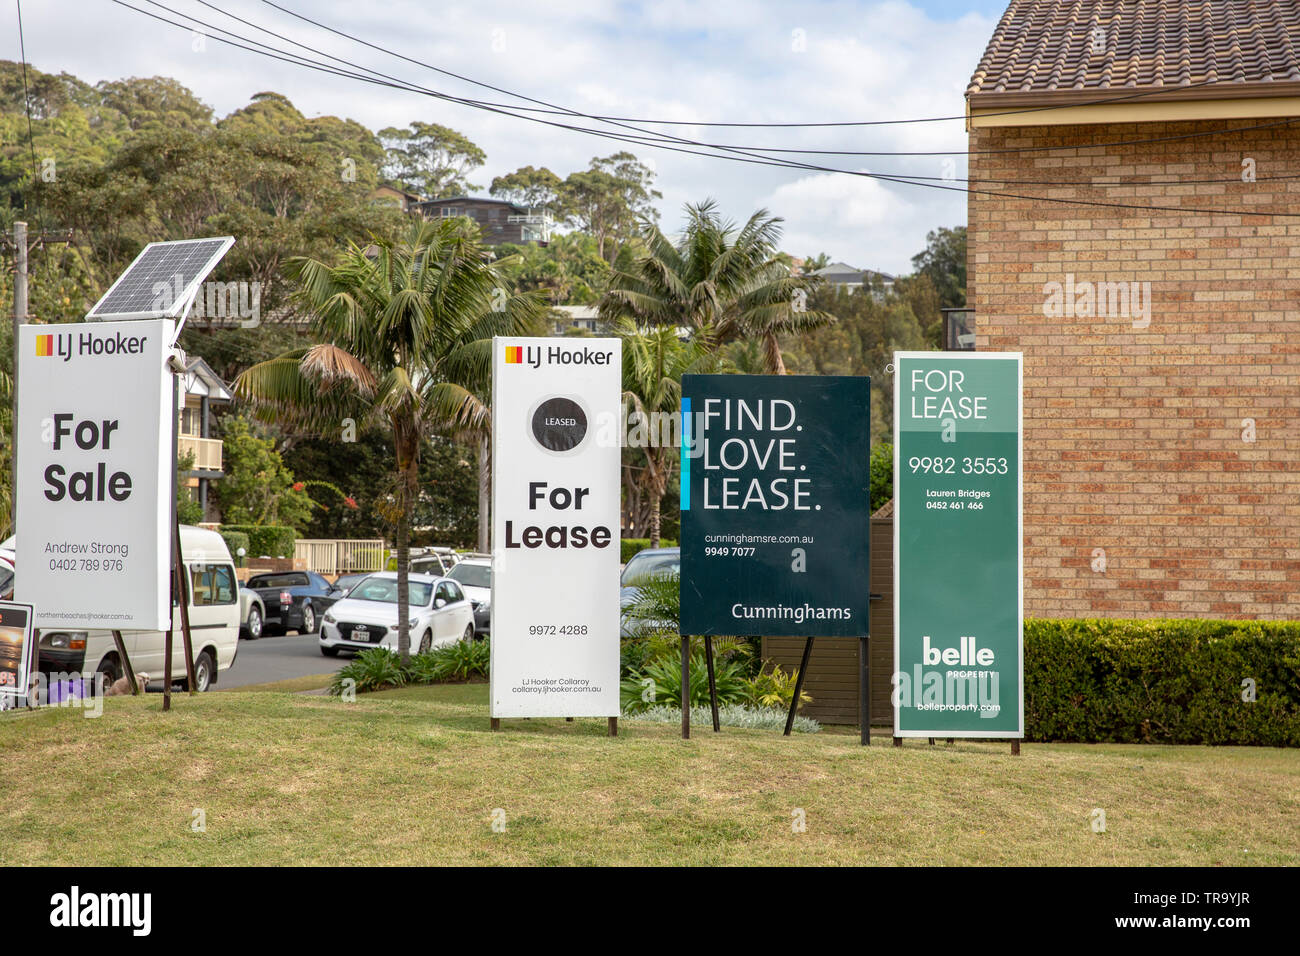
{"x": 648, "y": 138}
{"x": 27, "y": 108}
{"x": 717, "y": 146}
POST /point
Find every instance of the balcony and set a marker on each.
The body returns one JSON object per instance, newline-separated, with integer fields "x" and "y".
{"x": 206, "y": 451}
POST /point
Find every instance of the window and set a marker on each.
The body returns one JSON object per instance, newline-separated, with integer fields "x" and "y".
{"x": 278, "y": 581}
{"x": 455, "y": 592}
{"x": 447, "y": 212}
{"x": 212, "y": 584}
{"x": 448, "y": 592}
{"x": 475, "y": 575}
{"x": 384, "y": 591}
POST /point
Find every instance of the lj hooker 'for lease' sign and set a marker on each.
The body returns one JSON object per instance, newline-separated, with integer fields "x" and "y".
{"x": 555, "y": 527}
{"x": 94, "y": 467}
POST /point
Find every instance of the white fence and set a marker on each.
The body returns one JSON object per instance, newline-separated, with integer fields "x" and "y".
{"x": 339, "y": 556}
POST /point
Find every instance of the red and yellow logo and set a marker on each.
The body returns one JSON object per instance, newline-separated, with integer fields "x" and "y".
{"x": 514, "y": 354}
{"x": 44, "y": 345}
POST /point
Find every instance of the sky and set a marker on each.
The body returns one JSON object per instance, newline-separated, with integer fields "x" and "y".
{"x": 769, "y": 61}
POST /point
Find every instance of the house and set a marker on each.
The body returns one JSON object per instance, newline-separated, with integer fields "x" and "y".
{"x": 1134, "y": 230}
{"x": 500, "y": 221}
{"x": 840, "y": 275}
{"x": 388, "y": 194}
{"x": 203, "y": 387}
{"x": 585, "y": 317}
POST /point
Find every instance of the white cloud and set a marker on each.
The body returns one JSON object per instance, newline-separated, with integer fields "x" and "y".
{"x": 671, "y": 59}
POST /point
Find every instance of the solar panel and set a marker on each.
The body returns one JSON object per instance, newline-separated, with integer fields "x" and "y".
{"x": 161, "y": 280}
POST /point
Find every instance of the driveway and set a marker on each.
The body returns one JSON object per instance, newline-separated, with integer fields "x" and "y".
{"x": 278, "y": 658}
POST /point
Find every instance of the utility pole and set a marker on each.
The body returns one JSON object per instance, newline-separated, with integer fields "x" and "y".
{"x": 20, "y": 315}
{"x": 21, "y": 251}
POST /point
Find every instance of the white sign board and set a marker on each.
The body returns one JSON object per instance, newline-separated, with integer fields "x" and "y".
{"x": 95, "y": 420}
{"x": 555, "y": 527}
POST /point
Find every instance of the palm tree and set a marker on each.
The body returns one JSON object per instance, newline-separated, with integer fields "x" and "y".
{"x": 653, "y": 364}
{"x": 405, "y": 338}
{"x": 719, "y": 282}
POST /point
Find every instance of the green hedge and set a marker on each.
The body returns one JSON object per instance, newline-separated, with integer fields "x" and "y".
{"x": 271, "y": 540}
{"x": 234, "y": 541}
{"x": 630, "y": 546}
{"x": 1169, "y": 682}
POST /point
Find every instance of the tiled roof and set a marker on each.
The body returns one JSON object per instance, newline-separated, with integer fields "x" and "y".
{"x": 1052, "y": 48}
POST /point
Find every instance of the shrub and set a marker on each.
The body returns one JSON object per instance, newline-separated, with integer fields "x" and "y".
{"x": 463, "y": 660}
{"x": 372, "y": 669}
{"x": 234, "y": 541}
{"x": 630, "y": 546}
{"x": 379, "y": 668}
{"x": 266, "y": 540}
{"x": 729, "y": 715}
{"x": 772, "y": 689}
{"x": 1162, "y": 681}
{"x": 665, "y": 671}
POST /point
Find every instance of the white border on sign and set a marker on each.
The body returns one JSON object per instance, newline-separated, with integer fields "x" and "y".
{"x": 1019, "y": 359}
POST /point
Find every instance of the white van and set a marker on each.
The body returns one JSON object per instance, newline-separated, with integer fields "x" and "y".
{"x": 213, "y": 596}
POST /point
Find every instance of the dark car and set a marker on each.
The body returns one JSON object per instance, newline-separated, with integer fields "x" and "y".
{"x": 294, "y": 600}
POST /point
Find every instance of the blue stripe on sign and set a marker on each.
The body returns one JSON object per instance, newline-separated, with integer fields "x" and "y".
{"x": 686, "y": 455}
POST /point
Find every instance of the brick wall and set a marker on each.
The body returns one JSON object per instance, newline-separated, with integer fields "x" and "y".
{"x": 1134, "y": 434}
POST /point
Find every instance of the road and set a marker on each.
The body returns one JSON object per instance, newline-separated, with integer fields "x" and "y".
{"x": 278, "y": 658}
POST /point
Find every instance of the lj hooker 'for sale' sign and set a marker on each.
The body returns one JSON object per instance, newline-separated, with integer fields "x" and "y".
{"x": 555, "y": 527}
{"x": 94, "y": 474}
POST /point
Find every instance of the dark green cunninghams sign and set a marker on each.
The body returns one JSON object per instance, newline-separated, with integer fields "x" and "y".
{"x": 775, "y": 501}
{"x": 958, "y": 602}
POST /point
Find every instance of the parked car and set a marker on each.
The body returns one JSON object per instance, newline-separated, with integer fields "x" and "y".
{"x": 252, "y": 613}
{"x": 475, "y": 576}
{"x": 293, "y": 600}
{"x": 439, "y": 614}
{"x": 213, "y": 601}
{"x": 644, "y": 565}
{"x": 435, "y": 561}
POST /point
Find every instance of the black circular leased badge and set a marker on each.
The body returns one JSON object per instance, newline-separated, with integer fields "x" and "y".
{"x": 559, "y": 424}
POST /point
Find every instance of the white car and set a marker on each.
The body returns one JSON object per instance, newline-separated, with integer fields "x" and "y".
{"x": 475, "y": 576}
{"x": 440, "y": 614}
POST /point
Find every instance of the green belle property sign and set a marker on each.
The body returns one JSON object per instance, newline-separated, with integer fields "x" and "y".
{"x": 775, "y": 505}
{"x": 958, "y": 602}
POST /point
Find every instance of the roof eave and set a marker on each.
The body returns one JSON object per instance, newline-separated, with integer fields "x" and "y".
{"x": 984, "y": 100}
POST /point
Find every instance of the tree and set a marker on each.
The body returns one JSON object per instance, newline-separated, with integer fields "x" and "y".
{"x": 812, "y": 263}
{"x": 569, "y": 269}
{"x": 944, "y": 261}
{"x": 445, "y": 512}
{"x": 653, "y": 363}
{"x": 405, "y": 336}
{"x": 610, "y": 200}
{"x": 433, "y": 159}
{"x": 155, "y": 103}
{"x": 257, "y": 487}
{"x": 188, "y": 511}
{"x": 722, "y": 283}
{"x": 526, "y": 186}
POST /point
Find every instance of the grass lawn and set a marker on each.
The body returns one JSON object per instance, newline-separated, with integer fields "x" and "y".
{"x": 413, "y": 776}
